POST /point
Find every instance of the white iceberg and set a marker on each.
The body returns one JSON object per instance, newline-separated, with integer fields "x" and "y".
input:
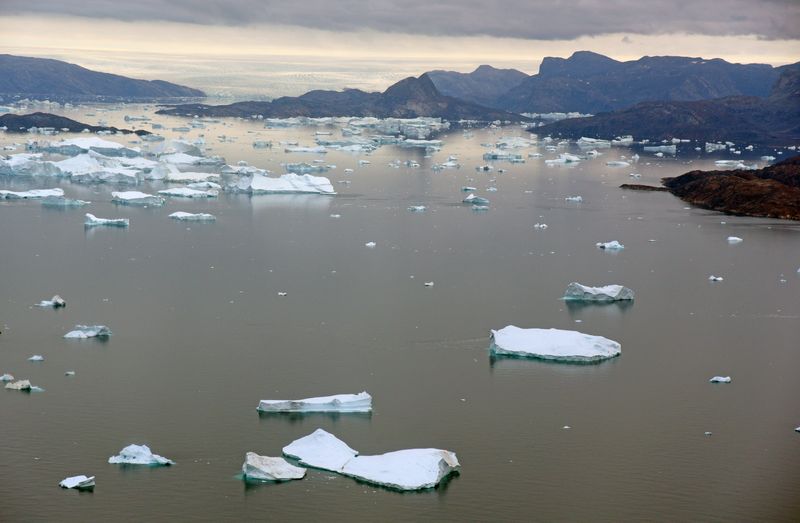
{"x": 720, "y": 379}
{"x": 610, "y": 246}
{"x": 475, "y": 200}
{"x": 136, "y": 198}
{"x": 204, "y": 185}
{"x": 553, "y": 344}
{"x": 139, "y": 455}
{"x": 266, "y": 468}
{"x": 715, "y": 278}
{"x": 416, "y": 208}
{"x": 193, "y": 217}
{"x": 361, "y": 402}
{"x": 61, "y": 201}
{"x": 75, "y": 146}
{"x": 188, "y": 159}
{"x": 617, "y": 163}
{"x": 54, "y": 302}
{"x": 186, "y": 192}
{"x": 370, "y": 245}
{"x": 734, "y": 239}
{"x": 78, "y": 482}
{"x": 578, "y": 292}
{"x": 26, "y": 164}
{"x": 92, "y": 220}
{"x": 302, "y": 149}
{"x": 20, "y": 385}
{"x": 83, "y": 332}
{"x": 6, "y": 377}
{"x": 33, "y": 194}
{"x": 287, "y": 184}
{"x": 36, "y": 357}
{"x": 575, "y": 199}
{"x": 321, "y": 450}
{"x": 410, "y": 469}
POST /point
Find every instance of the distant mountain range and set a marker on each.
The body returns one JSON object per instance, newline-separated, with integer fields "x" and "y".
{"x": 41, "y": 78}
{"x": 774, "y": 120}
{"x": 484, "y": 86}
{"x": 408, "y": 98}
{"x": 20, "y": 123}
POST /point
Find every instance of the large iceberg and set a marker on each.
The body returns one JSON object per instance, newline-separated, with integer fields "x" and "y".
{"x": 27, "y": 164}
{"x": 321, "y": 450}
{"x": 78, "y": 482}
{"x": 576, "y": 291}
{"x": 82, "y": 332}
{"x": 287, "y": 184}
{"x": 136, "y": 198}
{"x": 33, "y": 194}
{"x": 361, "y": 402}
{"x": 266, "y": 468}
{"x": 139, "y": 455}
{"x": 75, "y": 146}
{"x": 553, "y": 344}
{"x": 193, "y": 217}
{"x": 411, "y": 469}
{"x": 186, "y": 192}
{"x": 92, "y": 221}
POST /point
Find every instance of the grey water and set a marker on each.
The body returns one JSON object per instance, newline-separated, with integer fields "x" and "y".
{"x": 200, "y": 335}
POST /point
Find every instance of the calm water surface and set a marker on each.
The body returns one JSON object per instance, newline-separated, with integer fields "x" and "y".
{"x": 201, "y": 335}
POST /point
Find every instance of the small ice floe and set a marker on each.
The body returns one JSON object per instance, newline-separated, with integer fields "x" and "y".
{"x": 410, "y": 469}
{"x": 136, "y": 198}
{"x": 36, "y": 357}
{"x": 553, "y": 344}
{"x": 92, "y": 220}
{"x": 540, "y": 226}
{"x": 468, "y": 188}
{"x": 23, "y": 385}
{"x": 720, "y": 379}
{"x": 34, "y": 194}
{"x": 575, "y": 199}
{"x": 78, "y": 482}
{"x": 280, "y": 293}
{"x": 361, "y": 402}
{"x": 707, "y": 433}
{"x": 576, "y": 291}
{"x": 370, "y": 245}
{"x": 610, "y": 246}
{"x": 193, "y": 217}
{"x": 186, "y": 192}
{"x": 204, "y": 185}
{"x": 139, "y": 455}
{"x": 635, "y": 175}
{"x": 480, "y": 208}
{"x": 336, "y": 215}
{"x": 69, "y": 373}
{"x": 290, "y": 183}
{"x": 715, "y": 278}
{"x": 491, "y": 189}
{"x": 89, "y": 331}
{"x": 617, "y": 163}
{"x": 417, "y": 208}
{"x": 321, "y": 450}
{"x": 55, "y": 302}
{"x": 265, "y": 468}
{"x": 428, "y": 284}
{"x": 6, "y": 377}
{"x": 475, "y": 200}
{"x": 734, "y": 239}
{"x": 61, "y": 201}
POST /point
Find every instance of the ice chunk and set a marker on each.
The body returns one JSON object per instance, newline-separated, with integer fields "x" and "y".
{"x": 75, "y": 146}
{"x": 576, "y": 291}
{"x": 266, "y": 468}
{"x": 287, "y": 184}
{"x": 193, "y": 217}
{"x": 480, "y": 208}
{"x": 78, "y": 482}
{"x": 185, "y": 192}
{"x": 370, "y": 245}
{"x": 20, "y": 385}
{"x": 475, "y": 200}
{"x": 92, "y": 220}
{"x": 410, "y": 469}
{"x": 175, "y": 175}
{"x": 576, "y": 199}
{"x": 139, "y": 455}
{"x": 33, "y": 194}
{"x": 610, "y": 246}
{"x": 136, "y": 198}
{"x": 715, "y": 278}
{"x": 301, "y": 149}
{"x": 27, "y": 164}
{"x": 617, "y": 163}
{"x": 61, "y": 201}
{"x": 734, "y": 239}
{"x": 321, "y": 450}
{"x": 89, "y": 331}
{"x": 417, "y": 208}
{"x": 468, "y": 188}
{"x": 204, "y": 185}
{"x": 54, "y": 302}
{"x": 553, "y": 344}
{"x": 6, "y": 377}
{"x": 36, "y": 357}
{"x": 428, "y": 284}
{"x": 188, "y": 159}
{"x": 720, "y": 379}
{"x": 540, "y": 226}
{"x": 361, "y": 402}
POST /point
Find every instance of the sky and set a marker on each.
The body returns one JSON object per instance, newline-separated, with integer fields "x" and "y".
{"x": 270, "y": 48}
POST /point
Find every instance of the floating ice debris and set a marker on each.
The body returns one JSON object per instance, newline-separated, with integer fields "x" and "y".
{"x": 336, "y": 215}
{"x": 734, "y": 239}
{"x": 89, "y": 331}
{"x": 553, "y": 344}
{"x": 411, "y": 469}
{"x": 139, "y": 455}
{"x": 576, "y": 199}
{"x": 370, "y": 245}
{"x": 204, "y": 185}
{"x": 136, "y": 198}
{"x": 288, "y": 183}
{"x": 300, "y": 149}
{"x": 417, "y": 208}
{"x": 468, "y": 188}
{"x": 34, "y": 194}
{"x": 27, "y": 164}
{"x": 564, "y": 158}
{"x": 6, "y": 377}
{"x": 185, "y": 192}
{"x": 361, "y": 402}
{"x": 75, "y": 146}
{"x": 428, "y": 284}
{"x": 321, "y": 450}
{"x": 576, "y": 291}
{"x": 715, "y": 278}
{"x": 54, "y": 302}
{"x": 617, "y": 163}
{"x": 78, "y": 482}
{"x": 192, "y": 217}
{"x": 707, "y": 433}
{"x": 188, "y": 159}
{"x": 610, "y": 246}
{"x": 20, "y": 385}
{"x": 60, "y": 201}
{"x": 36, "y": 357}
{"x": 480, "y": 208}
{"x": 92, "y": 220}
{"x": 635, "y": 175}
{"x": 283, "y": 293}
{"x": 491, "y": 189}
{"x": 475, "y": 200}
{"x": 668, "y": 149}
{"x": 720, "y": 379}
{"x": 797, "y": 429}
{"x": 69, "y": 373}
{"x": 266, "y": 468}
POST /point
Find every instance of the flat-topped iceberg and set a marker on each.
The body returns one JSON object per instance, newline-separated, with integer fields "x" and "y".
{"x": 475, "y": 200}
{"x": 553, "y": 344}
{"x": 20, "y": 385}
{"x": 188, "y": 159}
{"x": 286, "y": 184}
{"x": 411, "y": 469}
{"x": 610, "y": 246}
{"x": 720, "y": 379}
{"x": 75, "y": 146}
{"x": 139, "y": 455}
{"x": 578, "y": 292}
{"x": 321, "y": 450}
{"x": 266, "y": 468}
{"x": 136, "y": 198}
{"x": 92, "y": 220}
{"x": 33, "y": 194}
{"x": 55, "y": 302}
{"x": 186, "y": 192}
{"x": 193, "y": 217}
{"x": 77, "y": 482}
{"x": 361, "y": 402}
{"x": 61, "y": 201}
{"x": 82, "y": 332}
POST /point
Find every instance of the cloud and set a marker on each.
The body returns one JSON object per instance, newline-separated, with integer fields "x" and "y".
{"x": 552, "y": 20}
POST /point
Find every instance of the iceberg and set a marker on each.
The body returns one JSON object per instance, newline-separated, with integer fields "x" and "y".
{"x": 185, "y": 192}
{"x": 734, "y": 239}
{"x": 26, "y": 164}
{"x": 136, "y": 198}
{"x": 720, "y": 379}
{"x": 715, "y": 278}
{"x": 92, "y": 220}
{"x": 321, "y": 450}
{"x": 61, "y": 201}
{"x": 563, "y": 158}
{"x": 34, "y": 194}
{"x": 553, "y": 344}
{"x": 265, "y": 468}
{"x": 54, "y": 302}
{"x": 204, "y": 185}
{"x": 410, "y": 469}
{"x": 578, "y": 292}
{"x": 193, "y": 217}
{"x": 6, "y": 377}
{"x": 617, "y": 163}
{"x": 286, "y": 184}
{"x": 20, "y": 385}
{"x": 361, "y": 402}
{"x": 300, "y": 149}
{"x": 574, "y": 199}
{"x": 36, "y": 357}
{"x": 610, "y": 246}
{"x": 669, "y": 149}
{"x": 77, "y": 482}
{"x": 188, "y": 159}
{"x": 370, "y": 245}
{"x": 193, "y": 177}
{"x": 83, "y": 332}
{"x": 475, "y": 200}
{"x": 139, "y": 455}
{"x": 417, "y": 208}
{"x": 75, "y": 146}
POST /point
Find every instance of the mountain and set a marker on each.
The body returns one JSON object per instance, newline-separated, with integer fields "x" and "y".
{"x": 482, "y": 86}
{"x": 774, "y": 120}
{"x": 20, "y": 123}
{"x": 588, "y": 82}
{"x": 42, "y": 78}
{"x": 408, "y": 98}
